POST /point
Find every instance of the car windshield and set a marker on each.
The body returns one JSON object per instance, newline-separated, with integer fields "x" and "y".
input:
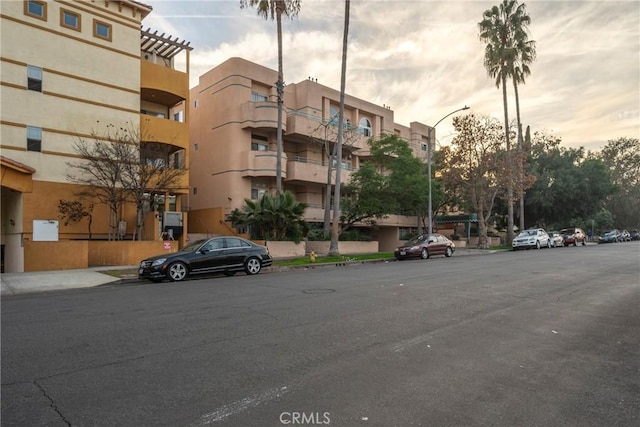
{"x": 417, "y": 240}
{"x": 527, "y": 233}
{"x": 567, "y": 231}
{"x": 193, "y": 245}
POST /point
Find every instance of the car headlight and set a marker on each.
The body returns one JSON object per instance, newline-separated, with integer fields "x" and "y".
{"x": 158, "y": 262}
{"x": 413, "y": 248}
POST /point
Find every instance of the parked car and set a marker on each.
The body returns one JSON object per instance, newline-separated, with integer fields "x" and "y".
{"x": 424, "y": 246}
{"x": 556, "y": 239}
{"x": 634, "y": 234}
{"x": 573, "y": 236}
{"x": 531, "y": 238}
{"x": 609, "y": 236}
{"x": 222, "y": 254}
{"x": 625, "y": 236}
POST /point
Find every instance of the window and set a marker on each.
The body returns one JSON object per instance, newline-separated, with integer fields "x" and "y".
{"x": 365, "y": 126}
{"x": 34, "y": 78}
{"x": 195, "y": 147}
{"x": 256, "y": 146}
{"x": 195, "y": 190}
{"x": 423, "y": 146}
{"x": 178, "y": 116}
{"x": 333, "y": 116}
{"x": 36, "y": 8}
{"x": 101, "y": 30}
{"x": 195, "y": 103}
{"x": 258, "y": 97}
{"x": 69, "y": 19}
{"x": 406, "y": 233}
{"x": 257, "y": 193}
{"x": 34, "y": 138}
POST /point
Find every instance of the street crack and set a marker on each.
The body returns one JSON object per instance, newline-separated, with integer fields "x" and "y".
{"x": 52, "y": 404}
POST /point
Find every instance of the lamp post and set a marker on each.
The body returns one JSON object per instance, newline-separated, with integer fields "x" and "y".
{"x": 429, "y": 163}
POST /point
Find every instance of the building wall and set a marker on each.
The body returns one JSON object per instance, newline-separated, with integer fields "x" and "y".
{"x": 91, "y": 87}
{"x": 234, "y": 104}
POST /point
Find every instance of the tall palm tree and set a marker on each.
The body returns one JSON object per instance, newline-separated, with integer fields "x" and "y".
{"x": 333, "y": 247}
{"x": 275, "y": 9}
{"x": 499, "y": 29}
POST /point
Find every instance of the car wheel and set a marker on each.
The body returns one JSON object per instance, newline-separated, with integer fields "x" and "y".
{"x": 449, "y": 252}
{"x": 229, "y": 273}
{"x": 584, "y": 242}
{"x": 538, "y": 244}
{"x": 252, "y": 266}
{"x": 424, "y": 254}
{"x": 177, "y": 272}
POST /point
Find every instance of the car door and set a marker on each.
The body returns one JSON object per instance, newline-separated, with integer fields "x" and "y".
{"x": 438, "y": 246}
{"x": 209, "y": 256}
{"x": 235, "y": 251}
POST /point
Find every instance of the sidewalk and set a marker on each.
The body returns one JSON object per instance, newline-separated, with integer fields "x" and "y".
{"x": 42, "y": 281}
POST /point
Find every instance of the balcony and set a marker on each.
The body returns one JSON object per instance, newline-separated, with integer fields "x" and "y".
{"x": 261, "y": 163}
{"x": 165, "y": 131}
{"x": 263, "y": 114}
{"x": 303, "y": 170}
{"x": 304, "y": 124}
{"x": 162, "y": 84}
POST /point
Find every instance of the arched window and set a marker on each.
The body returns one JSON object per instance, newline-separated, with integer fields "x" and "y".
{"x": 365, "y": 127}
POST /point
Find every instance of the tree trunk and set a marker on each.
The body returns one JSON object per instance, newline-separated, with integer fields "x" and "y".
{"x": 510, "y": 183}
{"x": 520, "y": 165}
{"x": 333, "y": 249}
{"x": 280, "y": 93}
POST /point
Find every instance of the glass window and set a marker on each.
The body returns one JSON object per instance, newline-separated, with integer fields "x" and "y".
{"x": 36, "y": 8}
{"x": 333, "y": 116}
{"x": 258, "y": 97}
{"x": 423, "y": 146}
{"x": 69, "y": 19}
{"x": 256, "y": 146}
{"x": 365, "y": 126}
{"x": 34, "y": 138}
{"x": 257, "y": 193}
{"x": 102, "y": 30}
{"x": 34, "y": 78}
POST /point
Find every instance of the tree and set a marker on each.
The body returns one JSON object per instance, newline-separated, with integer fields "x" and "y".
{"x": 570, "y": 188}
{"x": 475, "y": 166}
{"x": 622, "y": 158}
{"x": 333, "y": 247}
{"x": 503, "y": 29}
{"x": 116, "y": 168}
{"x": 278, "y": 217}
{"x": 275, "y": 9}
{"x": 75, "y": 211}
{"x": 366, "y": 197}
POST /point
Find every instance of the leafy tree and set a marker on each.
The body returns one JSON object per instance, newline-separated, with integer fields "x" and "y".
{"x": 503, "y": 29}
{"x": 622, "y": 158}
{"x": 475, "y": 166}
{"x": 278, "y": 217}
{"x": 275, "y": 9}
{"x": 75, "y": 211}
{"x": 366, "y": 197}
{"x": 570, "y": 189}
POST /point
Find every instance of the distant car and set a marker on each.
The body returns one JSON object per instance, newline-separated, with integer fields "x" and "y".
{"x": 222, "y": 254}
{"x": 573, "y": 236}
{"x": 625, "y": 236}
{"x": 609, "y": 236}
{"x": 531, "y": 238}
{"x": 634, "y": 234}
{"x": 556, "y": 239}
{"x": 425, "y": 246}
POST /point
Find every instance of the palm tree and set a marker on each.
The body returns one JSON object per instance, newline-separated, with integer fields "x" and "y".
{"x": 500, "y": 28}
{"x": 333, "y": 247}
{"x": 275, "y": 9}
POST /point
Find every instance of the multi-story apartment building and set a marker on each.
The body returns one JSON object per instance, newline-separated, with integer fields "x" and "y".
{"x": 70, "y": 71}
{"x": 233, "y": 122}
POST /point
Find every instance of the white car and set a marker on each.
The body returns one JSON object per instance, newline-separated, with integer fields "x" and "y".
{"x": 532, "y": 238}
{"x": 557, "y": 241}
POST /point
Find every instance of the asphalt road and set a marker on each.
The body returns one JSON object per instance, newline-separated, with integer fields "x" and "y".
{"x": 545, "y": 337}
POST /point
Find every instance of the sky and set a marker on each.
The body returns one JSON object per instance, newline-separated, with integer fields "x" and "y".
{"x": 424, "y": 59}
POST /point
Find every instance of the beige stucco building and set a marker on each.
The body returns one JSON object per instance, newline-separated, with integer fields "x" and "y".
{"x": 69, "y": 71}
{"x": 233, "y": 123}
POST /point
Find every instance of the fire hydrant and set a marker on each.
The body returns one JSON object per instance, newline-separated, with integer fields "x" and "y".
{"x": 312, "y": 257}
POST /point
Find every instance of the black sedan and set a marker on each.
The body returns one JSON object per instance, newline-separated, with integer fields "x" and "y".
{"x": 222, "y": 254}
{"x": 424, "y": 246}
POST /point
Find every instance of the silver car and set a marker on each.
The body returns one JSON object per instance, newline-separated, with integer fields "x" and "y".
{"x": 532, "y": 238}
{"x": 556, "y": 239}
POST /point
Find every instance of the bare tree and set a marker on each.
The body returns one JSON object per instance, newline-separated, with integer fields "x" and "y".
{"x": 74, "y": 211}
{"x": 115, "y": 168}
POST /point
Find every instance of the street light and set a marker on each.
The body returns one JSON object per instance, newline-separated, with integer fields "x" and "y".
{"x": 429, "y": 162}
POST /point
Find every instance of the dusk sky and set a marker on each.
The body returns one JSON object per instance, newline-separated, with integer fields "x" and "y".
{"x": 424, "y": 58}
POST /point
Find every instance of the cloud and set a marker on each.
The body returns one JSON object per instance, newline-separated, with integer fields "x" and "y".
{"x": 424, "y": 58}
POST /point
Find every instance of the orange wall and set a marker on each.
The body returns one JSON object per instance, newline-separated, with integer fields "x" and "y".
{"x": 46, "y": 256}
